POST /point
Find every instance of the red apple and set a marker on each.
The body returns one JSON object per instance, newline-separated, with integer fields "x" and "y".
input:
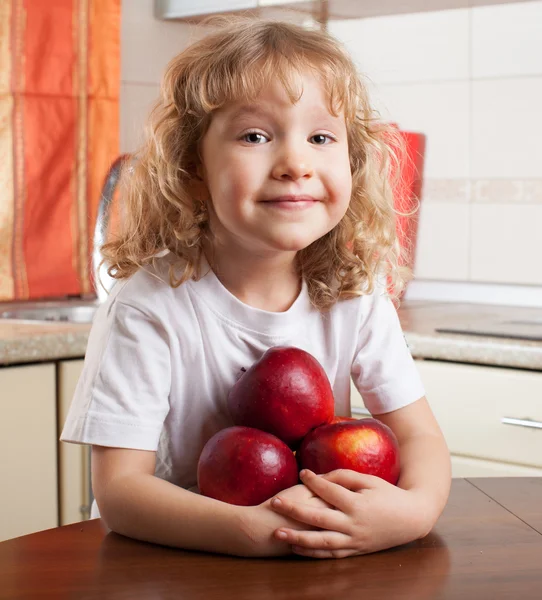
{"x": 286, "y": 393}
{"x": 245, "y": 466}
{"x": 337, "y": 419}
{"x": 363, "y": 445}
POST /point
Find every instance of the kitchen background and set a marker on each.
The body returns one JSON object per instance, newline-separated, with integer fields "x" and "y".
{"x": 470, "y": 79}
{"x": 466, "y": 74}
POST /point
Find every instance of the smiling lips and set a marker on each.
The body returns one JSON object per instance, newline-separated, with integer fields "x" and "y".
{"x": 291, "y": 201}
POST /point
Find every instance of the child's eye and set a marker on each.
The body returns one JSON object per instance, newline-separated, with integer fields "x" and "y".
{"x": 254, "y": 137}
{"x": 321, "y": 139}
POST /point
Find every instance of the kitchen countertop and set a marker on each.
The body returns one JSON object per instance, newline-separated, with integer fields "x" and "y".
{"x": 486, "y": 544}
{"x": 37, "y": 341}
{"x": 34, "y": 341}
{"x": 419, "y": 320}
{"x": 27, "y": 342}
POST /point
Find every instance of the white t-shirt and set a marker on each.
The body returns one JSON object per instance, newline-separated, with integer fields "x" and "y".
{"x": 161, "y": 360}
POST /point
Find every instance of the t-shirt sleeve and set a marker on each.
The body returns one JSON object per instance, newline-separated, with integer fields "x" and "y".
{"x": 122, "y": 396}
{"x": 383, "y": 369}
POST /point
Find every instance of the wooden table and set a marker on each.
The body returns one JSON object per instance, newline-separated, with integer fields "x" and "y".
{"x": 486, "y": 545}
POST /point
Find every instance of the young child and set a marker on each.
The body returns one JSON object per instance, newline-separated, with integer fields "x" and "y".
{"x": 257, "y": 214}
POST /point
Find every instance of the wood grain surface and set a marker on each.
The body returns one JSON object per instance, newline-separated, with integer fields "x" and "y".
{"x": 485, "y": 545}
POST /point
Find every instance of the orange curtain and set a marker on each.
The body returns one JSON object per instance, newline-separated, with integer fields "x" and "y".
{"x": 59, "y": 128}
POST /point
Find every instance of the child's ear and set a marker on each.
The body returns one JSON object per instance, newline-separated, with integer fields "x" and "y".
{"x": 198, "y": 187}
{"x": 200, "y": 174}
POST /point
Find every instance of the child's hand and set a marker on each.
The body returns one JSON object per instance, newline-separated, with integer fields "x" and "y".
{"x": 370, "y": 514}
{"x": 260, "y": 522}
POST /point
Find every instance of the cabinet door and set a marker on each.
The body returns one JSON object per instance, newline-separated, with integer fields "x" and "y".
{"x": 465, "y": 466}
{"x": 74, "y": 459}
{"x": 487, "y": 412}
{"x": 443, "y": 382}
{"x": 28, "y": 434}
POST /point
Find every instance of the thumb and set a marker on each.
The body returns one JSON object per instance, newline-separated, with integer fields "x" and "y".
{"x": 352, "y": 480}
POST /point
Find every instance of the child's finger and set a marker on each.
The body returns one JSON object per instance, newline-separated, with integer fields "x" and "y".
{"x": 352, "y": 480}
{"x": 335, "y": 494}
{"x": 322, "y": 518}
{"x": 316, "y": 540}
{"x": 313, "y": 553}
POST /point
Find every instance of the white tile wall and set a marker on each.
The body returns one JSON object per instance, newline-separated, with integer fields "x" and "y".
{"x": 507, "y": 40}
{"x": 443, "y": 242}
{"x": 147, "y": 45}
{"x": 415, "y": 47}
{"x": 507, "y": 127}
{"x": 471, "y": 80}
{"x": 441, "y": 111}
{"x": 136, "y": 101}
{"x": 506, "y": 243}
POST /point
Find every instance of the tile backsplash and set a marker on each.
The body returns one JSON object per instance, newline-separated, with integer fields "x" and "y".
{"x": 469, "y": 78}
{"x": 147, "y": 45}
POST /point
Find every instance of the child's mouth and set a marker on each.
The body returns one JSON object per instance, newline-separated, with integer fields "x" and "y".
{"x": 291, "y": 202}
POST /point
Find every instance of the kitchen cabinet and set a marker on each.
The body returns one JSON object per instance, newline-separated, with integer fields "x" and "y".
{"x": 182, "y": 9}
{"x": 465, "y": 466}
{"x": 28, "y": 470}
{"x": 491, "y": 417}
{"x": 74, "y": 459}
{"x": 332, "y": 9}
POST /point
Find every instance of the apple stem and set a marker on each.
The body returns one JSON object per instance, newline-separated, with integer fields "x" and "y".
{"x": 241, "y": 373}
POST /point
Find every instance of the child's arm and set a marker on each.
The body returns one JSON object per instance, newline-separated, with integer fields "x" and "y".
{"x": 373, "y": 514}
{"x": 425, "y": 459}
{"x": 135, "y": 503}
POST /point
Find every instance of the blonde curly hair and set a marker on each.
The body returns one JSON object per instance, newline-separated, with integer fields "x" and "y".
{"x": 235, "y": 62}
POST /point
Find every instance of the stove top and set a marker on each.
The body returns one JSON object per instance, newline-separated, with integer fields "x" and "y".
{"x": 519, "y": 330}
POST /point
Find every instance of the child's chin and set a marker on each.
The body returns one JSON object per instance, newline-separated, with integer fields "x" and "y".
{"x": 297, "y": 243}
{"x": 295, "y": 247}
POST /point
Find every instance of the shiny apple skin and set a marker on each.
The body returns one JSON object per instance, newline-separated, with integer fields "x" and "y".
{"x": 245, "y": 466}
{"x": 286, "y": 393}
{"x": 364, "y": 445}
{"x": 337, "y": 419}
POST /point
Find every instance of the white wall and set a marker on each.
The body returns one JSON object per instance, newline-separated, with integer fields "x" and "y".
{"x": 471, "y": 80}
{"x": 147, "y": 45}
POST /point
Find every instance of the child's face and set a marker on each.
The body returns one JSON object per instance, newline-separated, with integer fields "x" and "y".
{"x": 278, "y": 174}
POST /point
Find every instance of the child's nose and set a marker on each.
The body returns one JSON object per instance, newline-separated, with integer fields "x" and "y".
{"x": 292, "y": 165}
